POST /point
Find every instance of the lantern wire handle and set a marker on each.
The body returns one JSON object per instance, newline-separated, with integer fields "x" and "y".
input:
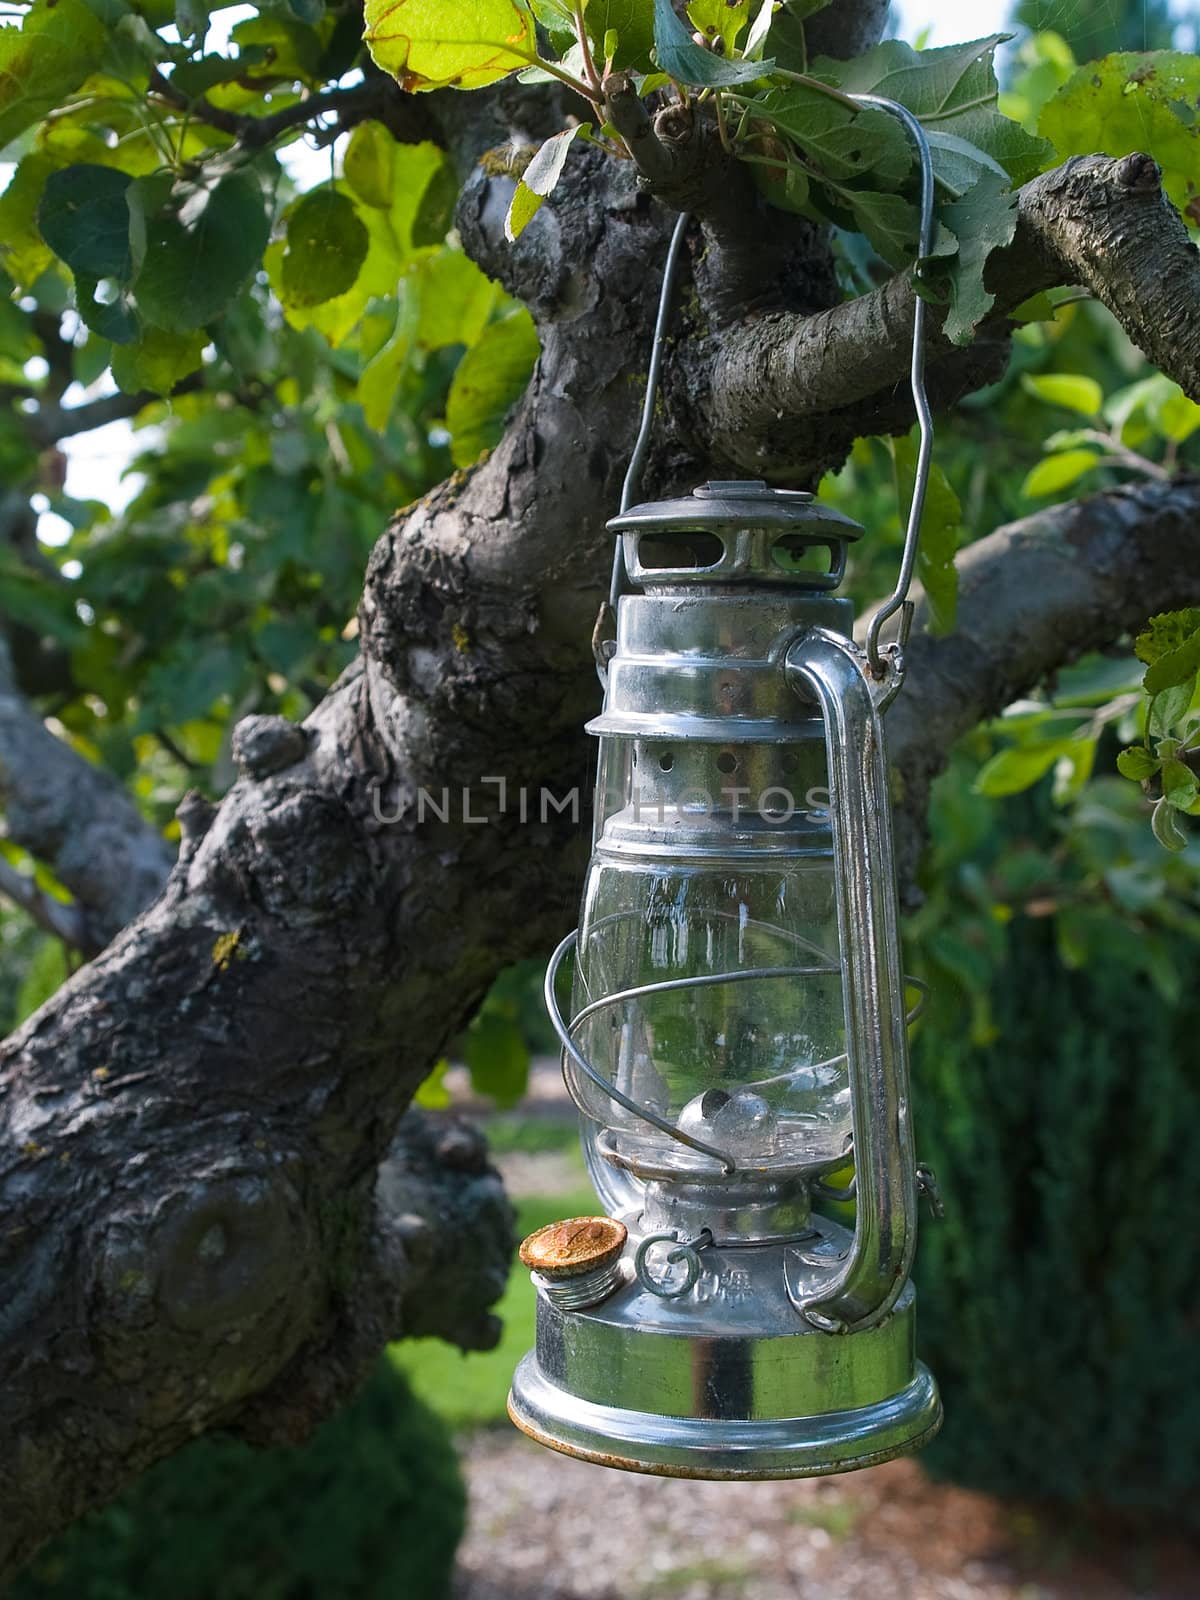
{"x": 633, "y": 474}
{"x": 898, "y": 600}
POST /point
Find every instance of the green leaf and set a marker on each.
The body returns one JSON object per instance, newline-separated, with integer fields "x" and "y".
{"x": 199, "y": 255}
{"x": 1166, "y": 632}
{"x": 888, "y": 220}
{"x": 1178, "y": 417}
{"x": 444, "y": 299}
{"x": 107, "y": 310}
{"x": 1129, "y": 103}
{"x": 633, "y": 23}
{"x": 953, "y": 90}
{"x": 1166, "y": 827}
{"x": 1058, "y": 472}
{"x": 369, "y": 163}
{"x": 435, "y": 214}
{"x": 983, "y": 221}
{"x": 540, "y": 179}
{"x": 59, "y": 44}
{"x": 688, "y": 62}
{"x": 158, "y": 361}
{"x": 45, "y": 974}
{"x": 1071, "y": 390}
{"x": 497, "y": 1058}
{"x": 24, "y": 254}
{"x": 1168, "y": 707}
{"x": 838, "y": 142}
{"x": 1179, "y": 784}
{"x": 438, "y": 44}
{"x": 778, "y": 31}
{"x": 1137, "y": 763}
{"x": 84, "y": 218}
{"x": 933, "y": 84}
{"x": 1019, "y": 767}
{"x": 490, "y": 379}
{"x": 433, "y": 1094}
{"x": 1174, "y": 666}
{"x": 145, "y": 199}
{"x": 723, "y": 19}
{"x": 326, "y": 247}
{"x": 957, "y": 164}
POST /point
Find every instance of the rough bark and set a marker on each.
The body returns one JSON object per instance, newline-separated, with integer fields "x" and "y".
{"x": 194, "y": 1233}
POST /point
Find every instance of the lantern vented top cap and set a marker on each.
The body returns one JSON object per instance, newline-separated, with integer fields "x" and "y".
{"x": 575, "y": 1246}
{"x": 735, "y": 532}
{"x": 735, "y": 503}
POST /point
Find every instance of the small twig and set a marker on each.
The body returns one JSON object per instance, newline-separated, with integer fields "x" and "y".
{"x": 585, "y": 46}
{"x": 48, "y": 424}
{"x": 64, "y": 920}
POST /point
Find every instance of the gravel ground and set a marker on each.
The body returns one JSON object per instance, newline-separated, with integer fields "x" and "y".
{"x": 883, "y": 1534}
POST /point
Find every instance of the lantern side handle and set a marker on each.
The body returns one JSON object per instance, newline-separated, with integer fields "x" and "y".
{"x": 837, "y": 673}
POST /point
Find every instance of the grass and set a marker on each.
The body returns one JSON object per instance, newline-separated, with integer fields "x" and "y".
{"x": 837, "y": 1517}
{"x": 509, "y": 1134}
{"x": 731, "y": 1573}
{"x": 470, "y": 1391}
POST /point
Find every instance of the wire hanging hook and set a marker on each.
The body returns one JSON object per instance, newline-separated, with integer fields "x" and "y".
{"x": 633, "y": 473}
{"x": 898, "y": 599}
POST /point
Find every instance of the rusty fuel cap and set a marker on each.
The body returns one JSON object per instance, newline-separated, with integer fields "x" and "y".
{"x": 577, "y": 1262}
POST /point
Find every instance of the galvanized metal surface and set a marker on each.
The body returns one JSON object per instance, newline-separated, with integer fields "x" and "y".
{"x": 743, "y": 1336}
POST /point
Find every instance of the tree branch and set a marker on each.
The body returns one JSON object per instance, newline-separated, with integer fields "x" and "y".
{"x": 50, "y": 423}
{"x": 786, "y": 396}
{"x": 78, "y": 820}
{"x": 1032, "y": 596}
{"x": 56, "y": 917}
{"x": 378, "y": 98}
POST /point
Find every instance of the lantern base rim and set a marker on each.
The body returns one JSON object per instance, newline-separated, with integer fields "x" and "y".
{"x": 693, "y": 1447}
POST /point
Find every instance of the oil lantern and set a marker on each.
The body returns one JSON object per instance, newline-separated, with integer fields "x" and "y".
{"x": 736, "y": 1034}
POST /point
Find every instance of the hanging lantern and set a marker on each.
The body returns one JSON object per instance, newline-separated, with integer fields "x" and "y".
{"x": 737, "y": 1042}
{"x": 737, "y": 1030}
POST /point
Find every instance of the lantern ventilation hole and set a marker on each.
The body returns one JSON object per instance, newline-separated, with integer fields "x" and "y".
{"x": 727, "y": 762}
{"x": 667, "y": 760}
{"x": 686, "y": 550}
{"x": 794, "y": 553}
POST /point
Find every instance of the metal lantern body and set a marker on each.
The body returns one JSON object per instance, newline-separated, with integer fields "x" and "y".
{"x": 737, "y": 1029}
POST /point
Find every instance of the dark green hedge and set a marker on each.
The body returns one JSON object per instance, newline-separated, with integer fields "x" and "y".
{"x": 371, "y": 1509}
{"x": 1060, "y": 1298}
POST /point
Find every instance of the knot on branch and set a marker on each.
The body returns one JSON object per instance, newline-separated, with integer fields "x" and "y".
{"x": 263, "y": 745}
{"x": 1139, "y": 171}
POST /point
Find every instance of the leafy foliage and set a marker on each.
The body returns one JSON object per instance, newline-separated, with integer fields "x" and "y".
{"x": 373, "y": 1506}
{"x": 1053, "y": 1089}
{"x": 1127, "y": 103}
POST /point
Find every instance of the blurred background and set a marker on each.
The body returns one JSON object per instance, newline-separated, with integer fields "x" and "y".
{"x": 163, "y": 576}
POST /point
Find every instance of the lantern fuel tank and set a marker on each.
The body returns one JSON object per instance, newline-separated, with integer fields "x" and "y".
{"x": 736, "y": 1041}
